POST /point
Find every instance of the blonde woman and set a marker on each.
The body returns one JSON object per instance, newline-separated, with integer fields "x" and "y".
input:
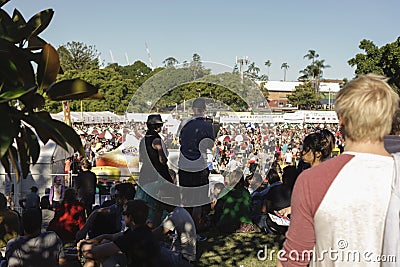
{"x": 341, "y": 204}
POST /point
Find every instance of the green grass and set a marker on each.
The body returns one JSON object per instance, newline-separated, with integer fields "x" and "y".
{"x": 236, "y": 249}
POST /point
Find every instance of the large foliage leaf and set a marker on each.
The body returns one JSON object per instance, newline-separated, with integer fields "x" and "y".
{"x": 3, "y": 2}
{"x": 32, "y": 144}
{"x": 16, "y": 69}
{"x": 9, "y": 130}
{"x": 14, "y": 94}
{"x": 49, "y": 67}
{"x": 48, "y": 128}
{"x": 40, "y": 21}
{"x": 74, "y": 89}
{"x": 35, "y": 43}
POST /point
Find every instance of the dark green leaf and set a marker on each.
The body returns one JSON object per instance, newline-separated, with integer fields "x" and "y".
{"x": 14, "y": 63}
{"x": 40, "y": 21}
{"x": 71, "y": 90}
{"x": 3, "y": 2}
{"x": 18, "y": 18}
{"x": 23, "y": 156}
{"x": 6, "y": 164}
{"x": 9, "y": 30}
{"x": 35, "y": 43}
{"x": 69, "y": 134}
{"x": 42, "y": 122}
{"x": 33, "y": 144}
{"x": 49, "y": 67}
{"x": 9, "y": 131}
{"x": 98, "y": 96}
{"x": 14, "y": 94}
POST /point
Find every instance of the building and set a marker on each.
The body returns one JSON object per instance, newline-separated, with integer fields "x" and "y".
{"x": 278, "y": 92}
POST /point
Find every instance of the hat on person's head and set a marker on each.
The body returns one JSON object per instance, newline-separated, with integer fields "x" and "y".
{"x": 199, "y": 103}
{"x": 34, "y": 189}
{"x": 57, "y": 178}
{"x": 154, "y": 119}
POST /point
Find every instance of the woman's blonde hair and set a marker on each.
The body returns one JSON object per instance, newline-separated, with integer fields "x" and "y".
{"x": 366, "y": 106}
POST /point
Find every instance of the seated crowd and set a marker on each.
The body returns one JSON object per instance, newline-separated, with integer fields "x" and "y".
{"x": 140, "y": 230}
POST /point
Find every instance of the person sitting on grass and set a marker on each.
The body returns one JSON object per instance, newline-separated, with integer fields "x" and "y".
{"x": 69, "y": 217}
{"x": 180, "y": 223}
{"x": 35, "y": 248}
{"x": 232, "y": 211}
{"x": 108, "y": 220}
{"x": 138, "y": 243}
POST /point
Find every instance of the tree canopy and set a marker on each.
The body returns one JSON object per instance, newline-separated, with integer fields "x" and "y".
{"x": 78, "y": 56}
{"x": 383, "y": 60}
{"x": 304, "y": 96}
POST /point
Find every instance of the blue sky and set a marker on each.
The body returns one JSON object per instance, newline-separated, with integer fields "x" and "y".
{"x": 218, "y": 30}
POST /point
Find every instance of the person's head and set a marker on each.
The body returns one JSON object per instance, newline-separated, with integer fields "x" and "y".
{"x": 199, "y": 106}
{"x": 86, "y": 165}
{"x": 57, "y": 180}
{"x": 273, "y": 176}
{"x": 154, "y": 122}
{"x": 218, "y": 187}
{"x": 365, "y": 107}
{"x": 45, "y": 203}
{"x": 34, "y": 189}
{"x": 330, "y": 137}
{"x": 3, "y": 201}
{"x": 32, "y": 220}
{"x": 135, "y": 212}
{"x": 256, "y": 180}
{"x": 316, "y": 148}
{"x": 123, "y": 193}
{"x": 69, "y": 195}
{"x": 289, "y": 176}
{"x": 112, "y": 191}
{"x": 236, "y": 179}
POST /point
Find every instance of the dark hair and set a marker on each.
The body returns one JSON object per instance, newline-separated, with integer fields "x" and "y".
{"x": 289, "y": 176}
{"x": 69, "y": 195}
{"x": 273, "y": 176}
{"x": 45, "y": 203}
{"x": 125, "y": 190}
{"x": 85, "y": 163}
{"x": 396, "y": 123}
{"x": 317, "y": 142}
{"x": 219, "y": 186}
{"x": 3, "y": 201}
{"x": 32, "y": 220}
{"x": 139, "y": 211}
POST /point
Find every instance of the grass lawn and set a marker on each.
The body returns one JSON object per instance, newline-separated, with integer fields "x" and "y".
{"x": 237, "y": 249}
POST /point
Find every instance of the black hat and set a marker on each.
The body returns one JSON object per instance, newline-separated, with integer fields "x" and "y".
{"x": 154, "y": 119}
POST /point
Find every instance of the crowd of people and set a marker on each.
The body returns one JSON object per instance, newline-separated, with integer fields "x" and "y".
{"x": 297, "y": 180}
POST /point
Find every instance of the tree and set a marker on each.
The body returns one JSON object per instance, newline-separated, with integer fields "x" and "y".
{"x": 22, "y": 90}
{"x": 311, "y": 55}
{"x": 284, "y": 66}
{"x": 314, "y": 71}
{"x": 383, "y": 60}
{"x": 252, "y": 71}
{"x": 304, "y": 97}
{"x": 78, "y": 56}
{"x": 268, "y": 65}
{"x": 170, "y": 62}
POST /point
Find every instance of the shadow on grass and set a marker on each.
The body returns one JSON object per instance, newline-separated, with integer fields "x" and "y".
{"x": 238, "y": 249}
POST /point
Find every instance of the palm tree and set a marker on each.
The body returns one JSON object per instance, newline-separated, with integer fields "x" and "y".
{"x": 284, "y": 66}
{"x": 312, "y": 55}
{"x": 170, "y": 62}
{"x": 319, "y": 67}
{"x": 253, "y": 70}
{"x": 268, "y": 64}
